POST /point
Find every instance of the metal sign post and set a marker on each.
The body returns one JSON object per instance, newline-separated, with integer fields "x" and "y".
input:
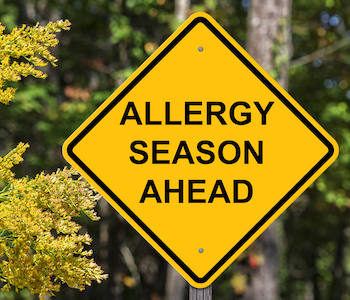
{"x": 201, "y": 294}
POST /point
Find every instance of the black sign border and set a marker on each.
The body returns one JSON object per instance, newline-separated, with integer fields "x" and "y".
{"x": 123, "y": 206}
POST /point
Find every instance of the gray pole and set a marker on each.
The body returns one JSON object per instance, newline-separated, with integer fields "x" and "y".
{"x": 201, "y": 294}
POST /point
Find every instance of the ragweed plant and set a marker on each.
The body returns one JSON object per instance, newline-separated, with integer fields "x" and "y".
{"x": 29, "y": 44}
{"x": 41, "y": 246}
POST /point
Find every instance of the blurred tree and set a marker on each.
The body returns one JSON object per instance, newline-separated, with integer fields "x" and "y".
{"x": 175, "y": 284}
{"x": 316, "y": 227}
{"x": 269, "y": 43}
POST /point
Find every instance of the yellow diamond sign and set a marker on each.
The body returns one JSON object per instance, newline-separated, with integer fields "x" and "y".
{"x": 200, "y": 150}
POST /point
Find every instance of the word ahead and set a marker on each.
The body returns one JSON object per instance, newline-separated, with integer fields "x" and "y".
{"x": 191, "y": 190}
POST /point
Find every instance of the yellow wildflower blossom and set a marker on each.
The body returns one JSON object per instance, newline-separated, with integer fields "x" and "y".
{"x": 11, "y": 159}
{"x": 40, "y": 243}
{"x": 30, "y": 43}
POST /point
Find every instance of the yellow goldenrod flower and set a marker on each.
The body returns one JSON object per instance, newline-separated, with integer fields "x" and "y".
{"x": 40, "y": 243}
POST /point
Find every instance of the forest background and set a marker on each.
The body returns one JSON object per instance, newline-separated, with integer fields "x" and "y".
{"x": 108, "y": 40}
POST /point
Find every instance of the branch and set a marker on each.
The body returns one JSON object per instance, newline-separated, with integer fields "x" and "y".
{"x": 130, "y": 263}
{"x": 319, "y": 53}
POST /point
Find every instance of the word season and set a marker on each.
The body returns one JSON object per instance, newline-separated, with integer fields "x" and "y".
{"x": 183, "y": 152}
{"x": 212, "y": 109}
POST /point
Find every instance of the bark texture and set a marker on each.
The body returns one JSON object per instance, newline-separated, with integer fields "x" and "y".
{"x": 263, "y": 283}
{"x": 175, "y": 284}
{"x": 181, "y": 9}
{"x": 269, "y": 43}
{"x": 269, "y": 37}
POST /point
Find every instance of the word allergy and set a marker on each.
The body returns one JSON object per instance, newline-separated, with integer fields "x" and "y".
{"x": 158, "y": 150}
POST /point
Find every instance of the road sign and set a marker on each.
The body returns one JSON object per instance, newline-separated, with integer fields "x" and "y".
{"x": 200, "y": 150}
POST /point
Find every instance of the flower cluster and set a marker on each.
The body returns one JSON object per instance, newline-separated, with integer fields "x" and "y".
{"x": 31, "y": 45}
{"x": 39, "y": 240}
{"x": 11, "y": 159}
{"x": 41, "y": 245}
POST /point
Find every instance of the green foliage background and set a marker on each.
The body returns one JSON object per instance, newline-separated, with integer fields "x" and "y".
{"x": 110, "y": 39}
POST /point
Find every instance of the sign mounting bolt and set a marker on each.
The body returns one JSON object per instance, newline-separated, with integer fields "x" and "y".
{"x": 200, "y": 250}
{"x": 200, "y": 49}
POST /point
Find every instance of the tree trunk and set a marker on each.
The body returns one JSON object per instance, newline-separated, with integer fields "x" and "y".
{"x": 181, "y": 9}
{"x": 338, "y": 281}
{"x": 269, "y": 43}
{"x": 269, "y": 36}
{"x": 175, "y": 284}
{"x": 264, "y": 280}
